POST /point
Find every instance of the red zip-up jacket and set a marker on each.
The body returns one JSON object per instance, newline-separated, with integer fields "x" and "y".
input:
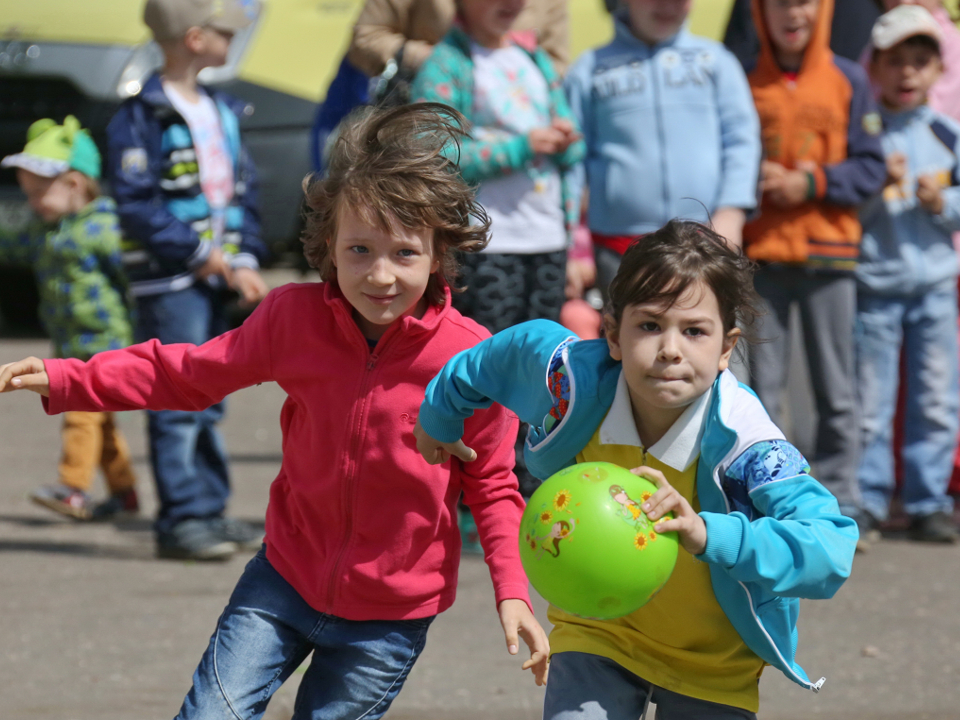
{"x": 358, "y": 523}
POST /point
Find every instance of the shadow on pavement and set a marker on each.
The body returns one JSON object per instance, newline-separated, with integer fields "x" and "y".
{"x": 112, "y": 552}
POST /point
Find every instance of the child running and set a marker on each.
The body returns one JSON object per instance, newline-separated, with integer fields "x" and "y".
{"x": 655, "y": 395}
{"x": 362, "y": 545}
{"x": 74, "y": 249}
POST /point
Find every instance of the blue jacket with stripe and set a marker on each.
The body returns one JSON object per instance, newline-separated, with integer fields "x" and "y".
{"x": 164, "y": 215}
{"x": 771, "y": 539}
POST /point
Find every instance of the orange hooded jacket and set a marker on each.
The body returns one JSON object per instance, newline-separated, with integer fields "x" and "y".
{"x": 823, "y": 117}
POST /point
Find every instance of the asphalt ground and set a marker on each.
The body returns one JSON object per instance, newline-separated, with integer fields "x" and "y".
{"x": 93, "y": 627}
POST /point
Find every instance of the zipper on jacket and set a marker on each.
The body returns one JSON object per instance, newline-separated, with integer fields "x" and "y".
{"x": 349, "y": 480}
{"x": 658, "y": 113}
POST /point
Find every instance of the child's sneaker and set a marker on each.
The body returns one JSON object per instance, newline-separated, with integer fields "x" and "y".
{"x": 194, "y": 539}
{"x": 122, "y": 504}
{"x": 245, "y": 535}
{"x": 937, "y": 527}
{"x": 64, "y": 500}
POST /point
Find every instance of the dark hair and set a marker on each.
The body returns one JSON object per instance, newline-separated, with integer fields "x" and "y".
{"x": 659, "y": 267}
{"x": 392, "y": 165}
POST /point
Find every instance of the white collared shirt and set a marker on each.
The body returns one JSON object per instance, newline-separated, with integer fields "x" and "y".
{"x": 679, "y": 447}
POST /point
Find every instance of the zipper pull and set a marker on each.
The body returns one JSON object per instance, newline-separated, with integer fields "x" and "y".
{"x": 371, "y": 363}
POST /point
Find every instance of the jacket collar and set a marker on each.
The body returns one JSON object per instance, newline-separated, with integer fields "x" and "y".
{"x": 895, "y": 119}
{"x": 623, "y": 34}
{"x": 408, "y": 326}
{"x": 153, "y": 94}
{"x": 678, "y": 449}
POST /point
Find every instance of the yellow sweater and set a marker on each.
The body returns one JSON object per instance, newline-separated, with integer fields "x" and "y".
{"x": 681, "y": 640}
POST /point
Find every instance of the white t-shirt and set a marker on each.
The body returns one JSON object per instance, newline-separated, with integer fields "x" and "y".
{"x": 511, "y": 97}
{"x": 213, "y": 155}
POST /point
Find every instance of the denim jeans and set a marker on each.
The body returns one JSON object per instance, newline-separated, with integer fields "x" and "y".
{"x": 267, "y": 630}
{"x": 582, "y": 686}
{"x": 926, "y": 327}
{"x": 187, "y": 454}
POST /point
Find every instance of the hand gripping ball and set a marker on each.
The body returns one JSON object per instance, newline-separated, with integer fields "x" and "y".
{"x": 587, "y": 546}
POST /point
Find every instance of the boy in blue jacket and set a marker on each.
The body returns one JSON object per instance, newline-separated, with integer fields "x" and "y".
{"x": 670, "y": 129}
{"x": 186, "y": 197}
{"x": 759, "y": 532}
{"x": 907, "y": 284}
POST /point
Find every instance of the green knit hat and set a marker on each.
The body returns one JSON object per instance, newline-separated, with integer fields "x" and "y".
{"x": 53, "y": 149}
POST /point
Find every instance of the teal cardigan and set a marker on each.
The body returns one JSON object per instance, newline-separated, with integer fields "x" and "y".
{"x": 447, "y": 77}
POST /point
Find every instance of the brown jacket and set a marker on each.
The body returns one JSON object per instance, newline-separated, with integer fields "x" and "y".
{"x": 417, "y": 25}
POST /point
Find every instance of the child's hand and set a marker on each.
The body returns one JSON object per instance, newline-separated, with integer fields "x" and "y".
{"x": 929, "y": 195}
{"x": 771, "y": 172}
{"x": 581, "y": 274}
{"x": 436, "y": 452}
{"x": 547, "y": 140}
{"x": 215, "y": 264}
{"x": 28, "y": 374}
{"x": 686, "y": 523}
{"x": 896, "y": 168}
{"x": 251, "y": 286}
{"x": 788, "y": 189}
{"x": 516, "y": 619}
{"x": 569, "y": 131}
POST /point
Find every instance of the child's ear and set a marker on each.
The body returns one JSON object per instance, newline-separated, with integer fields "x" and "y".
{"x": 729, "y": 343}
{"x": 612, "y": 333}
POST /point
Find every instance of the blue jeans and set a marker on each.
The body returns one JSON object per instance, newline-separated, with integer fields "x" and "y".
{"x": 187, "y": 454}
{"x": 590, "y": 687}
{"x": 926, "y": 327}
{"x": 267, "y": 630}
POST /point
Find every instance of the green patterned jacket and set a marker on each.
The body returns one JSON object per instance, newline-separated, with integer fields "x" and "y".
{"x": 83, "y": 291}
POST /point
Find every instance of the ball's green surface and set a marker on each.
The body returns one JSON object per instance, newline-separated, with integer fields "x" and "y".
{"x": 587, "y": 546}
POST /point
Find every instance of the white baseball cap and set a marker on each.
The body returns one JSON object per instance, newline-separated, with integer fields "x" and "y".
{"x": 904, "y": 21}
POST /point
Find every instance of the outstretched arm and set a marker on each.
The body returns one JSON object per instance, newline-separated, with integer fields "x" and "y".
{"x": 152, "y": 375}
{"x": 510, "y": 368}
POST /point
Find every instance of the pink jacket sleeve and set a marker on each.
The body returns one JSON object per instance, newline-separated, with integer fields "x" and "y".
{"x": 945, "y": 93}
{"x": 490, "y": 491}
{"x": 153, "y": 376}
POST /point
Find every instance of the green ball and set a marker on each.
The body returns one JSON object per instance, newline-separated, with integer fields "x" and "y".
{"x": 587, "y": 546}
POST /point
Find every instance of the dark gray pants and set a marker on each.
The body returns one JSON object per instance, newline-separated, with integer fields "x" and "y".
{"x": 590, "y": 687}
{"x": 827, "y": 303}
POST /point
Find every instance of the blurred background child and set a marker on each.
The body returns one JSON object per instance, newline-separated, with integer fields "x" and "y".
{"x": 670, "y": 129}
{"x": 74, "y": 249}
{"x": 186, "y": 192}
{"x": 821, "y": 136}
{"x": 523, "y": 149}
{"x": 907, "y": 284}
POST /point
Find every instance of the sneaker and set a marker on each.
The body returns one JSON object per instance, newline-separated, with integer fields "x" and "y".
{"x": 121, "y": 504}
{"x": 869, "y": 528}
{"x": 245, "y": 535}
{"x": 194, "y": 539}
{"x": 469, "y": 537}
{"x": 937, "y": 527}
{"x": 64, "y": 500}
